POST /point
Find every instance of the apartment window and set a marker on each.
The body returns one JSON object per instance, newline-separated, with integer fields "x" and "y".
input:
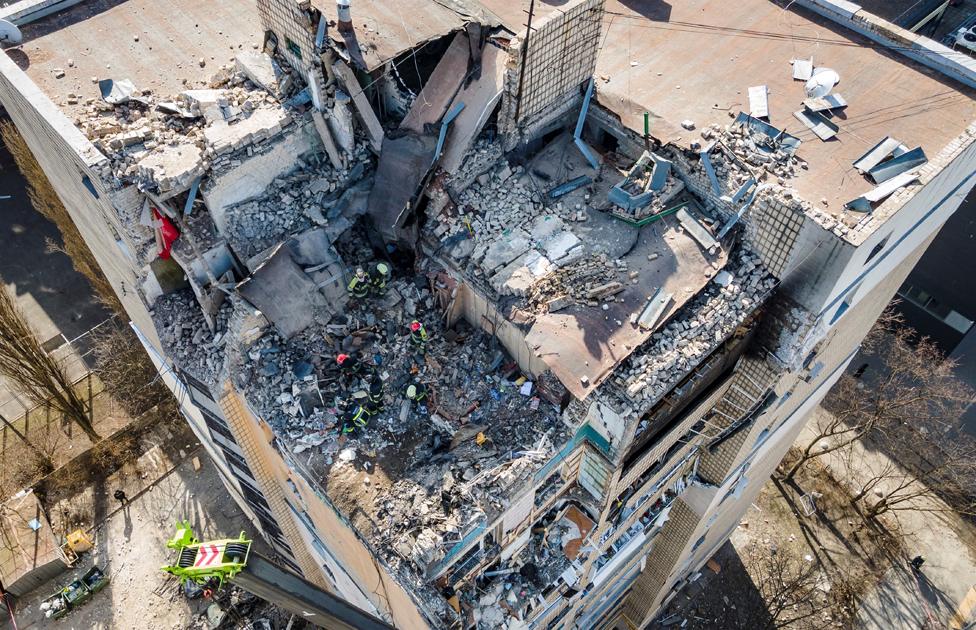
{"x": 937, "y": 309}
{"x": 293, "y": 48}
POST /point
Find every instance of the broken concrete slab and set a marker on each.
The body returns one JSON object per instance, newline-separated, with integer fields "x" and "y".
{"x": 262, "y": 124}
{"x": 505, "y": 249}
{"x": 655, "y": 308}
{"x": 563, "y": 248}
{"x": 518, "y": 276}
{"x": 440, "y": 87}
{"x": 199, "y": 101}
{"x": 366, "y": 114}
{"x": 284, "y": 293}
{"x": 545, "y": 227}
{"x": 559, "y": 303}
{"x": 330, "y": 147}
{"x": 173, "y": 168}
{"x": 261, "y": 69}
{"x": 255, "y": 173}
{"x": 605, "y": 290}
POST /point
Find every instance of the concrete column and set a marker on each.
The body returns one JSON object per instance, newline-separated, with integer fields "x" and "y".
{"x": 341, "y": 123}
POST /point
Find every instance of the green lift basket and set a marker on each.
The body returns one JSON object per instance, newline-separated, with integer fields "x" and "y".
{"x": 205, "y": 562}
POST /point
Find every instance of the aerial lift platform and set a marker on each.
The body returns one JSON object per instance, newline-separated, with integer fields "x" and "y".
{"x": 211, "y": 564}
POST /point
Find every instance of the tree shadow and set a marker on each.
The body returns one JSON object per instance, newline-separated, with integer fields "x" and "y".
{"x": 63, "y": 294}
{"x": 812, "y": 539}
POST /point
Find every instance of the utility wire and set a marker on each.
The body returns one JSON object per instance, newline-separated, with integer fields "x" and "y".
{"x": 698, "y": 27}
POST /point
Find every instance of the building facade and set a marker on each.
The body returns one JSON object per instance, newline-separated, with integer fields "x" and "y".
{"x": 630, "y": 321}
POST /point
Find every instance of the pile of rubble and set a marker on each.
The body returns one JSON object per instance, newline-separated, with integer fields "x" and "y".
{"x": 164, "y": 143}
{"x": 499, "y": 199}
{"x": 730, "y": 171}
{"x": 187, "y": 338}
{"x": 578, "y": 283}
{"x": 442, "y": 465}
{"x": 479, "y": 160}
{"x": 443, "y": 498}
{"x": 279, "y": 379}
{"x": 310, "y": 195}
{"x": 678, "y": 347}
{"x": 755, "y": 149}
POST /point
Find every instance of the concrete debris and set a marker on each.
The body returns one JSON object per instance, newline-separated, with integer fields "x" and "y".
{"x": 575, "y": 283}
{"x": 442, "y": 466}
{"x": 172, "y": 168}
{"x": 131, "y": 125}
{"x": 263, "y": 71}
{"x": 752, "y": 150}
{"x": 306, "y": 197}
{"x": 497, "y": 200}
{"x": 479, "y": 161}
{"x": 239, "y": 129}
{"x": 658, "y": 201}
{"x": 696, "y": 330}
{"x": 186, "y": 336}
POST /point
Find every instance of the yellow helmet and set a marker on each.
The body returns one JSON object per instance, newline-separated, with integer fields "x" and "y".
{"x": 412, "y": 391}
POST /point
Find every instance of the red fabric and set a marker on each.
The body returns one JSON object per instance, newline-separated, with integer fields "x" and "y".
{"x": 341, "y": 358}
{"x": 168, "y": 233}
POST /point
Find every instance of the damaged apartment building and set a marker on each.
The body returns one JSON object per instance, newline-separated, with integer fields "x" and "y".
{"x": 642, "y": 256}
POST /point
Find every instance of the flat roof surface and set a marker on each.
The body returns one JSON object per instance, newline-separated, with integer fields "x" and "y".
{"x": 384, "y": 30}
{"x": 695, "y": 60}
{"x": 514, "y": 14}
{"x": 98, "y": 37}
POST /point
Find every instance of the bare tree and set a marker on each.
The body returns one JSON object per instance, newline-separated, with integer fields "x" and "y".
{"x": 930, "y": 467}
{"x": 788, "y": 585}
{"x": 125, "y": 369}
{"x": 917, "y": 387}
{"x": 40, "y": 376}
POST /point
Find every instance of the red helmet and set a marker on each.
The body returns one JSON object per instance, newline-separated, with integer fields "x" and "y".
{"x": 415, "y": 325}
{"x": 341, "y": 358}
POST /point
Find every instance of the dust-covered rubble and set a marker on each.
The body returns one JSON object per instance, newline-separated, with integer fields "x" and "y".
{"x": 187, "y": 337}
{"x": 755, "y": 149}
{"x": 575, "y": 283}
{"x": 310, "y": 195}
{"x": 700, "y": 327}
{"x": 165, "y": 142}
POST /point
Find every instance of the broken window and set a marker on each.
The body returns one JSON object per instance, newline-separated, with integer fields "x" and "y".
{"x": 877, "y": 249}
{"x": 293, "y": 48}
